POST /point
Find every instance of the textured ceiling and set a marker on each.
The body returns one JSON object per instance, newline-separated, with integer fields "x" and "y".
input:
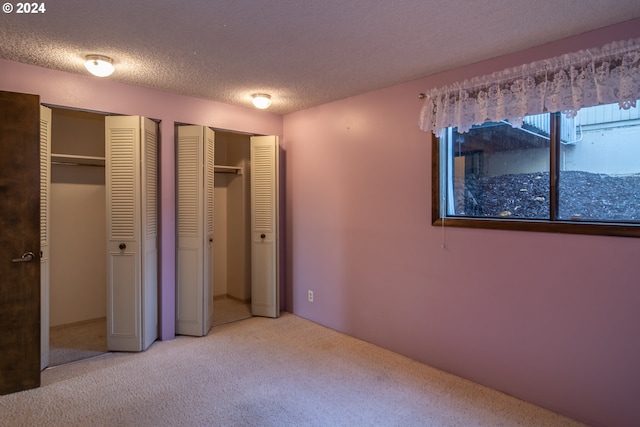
{"x": 304, "y": 53}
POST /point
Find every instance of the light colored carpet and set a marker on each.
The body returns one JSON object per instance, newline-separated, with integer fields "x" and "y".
{"x": 83, "y": 340}
{"x": 263, "y": 372}
{"x": 77, "y": 341}
{"x": 227, "y": 310}
{"x": 86, "y": 339}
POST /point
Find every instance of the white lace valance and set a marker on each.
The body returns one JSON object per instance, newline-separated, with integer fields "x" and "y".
{"x": 567, "y": 83}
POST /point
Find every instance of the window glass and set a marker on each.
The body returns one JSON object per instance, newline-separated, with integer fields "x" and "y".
{"x": 496, "y": 170}
{"x": 599, "y": 178}
{"x": 582, "y": 178}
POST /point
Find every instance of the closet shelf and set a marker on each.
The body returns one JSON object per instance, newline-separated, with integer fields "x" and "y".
{"x": 227, "y": 169}
{"x": 72, "y": 159}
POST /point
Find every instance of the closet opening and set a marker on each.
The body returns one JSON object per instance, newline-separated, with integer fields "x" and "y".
{"x": 226, "y": 242}
{"x": 231, "y": 230}
{"x": 77, "y": 227}
{"x": 99, "y": 221}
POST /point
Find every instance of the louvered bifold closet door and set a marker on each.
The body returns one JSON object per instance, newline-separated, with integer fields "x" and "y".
{"x": 149, "y": 188}
{"x": 264, "y": 226}
{"x": 130, "y": 316}
{"x": 45, "y": 189}
{"x": 191, "y": 232}
{"x": 209, "y": 193}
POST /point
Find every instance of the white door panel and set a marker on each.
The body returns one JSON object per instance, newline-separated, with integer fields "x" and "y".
{"x": 130, "y": 160}
{"x": 149, "y": 227}
{"x": 264, "y": 227}
{"x": 209, "y": 189}
{"x": 263, "y": 295}
{"x": 189, "y": 291}
{"x": 124, "y": 301}
{"x": 45, "y": 189}
{"x": 195, "y": 185}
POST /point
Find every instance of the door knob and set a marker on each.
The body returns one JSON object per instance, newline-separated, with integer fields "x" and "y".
{"x": 26, "y": 257}
{"x": 122, "y": 246}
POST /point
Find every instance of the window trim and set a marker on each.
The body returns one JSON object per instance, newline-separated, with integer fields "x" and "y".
{"x": 553, "y": 225}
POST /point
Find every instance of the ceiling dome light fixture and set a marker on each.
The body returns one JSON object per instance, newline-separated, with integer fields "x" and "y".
{"x": 261, "y": 100}
{"x": 98, "y": 65}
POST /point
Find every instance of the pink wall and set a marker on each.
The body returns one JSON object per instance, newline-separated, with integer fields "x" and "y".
{"x": 90, "y": 93}
{"x": 550, "y": 318}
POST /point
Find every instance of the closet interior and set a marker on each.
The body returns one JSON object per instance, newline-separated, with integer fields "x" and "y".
{"x": 77, "y": 221}
{"x": 231, "y": 233}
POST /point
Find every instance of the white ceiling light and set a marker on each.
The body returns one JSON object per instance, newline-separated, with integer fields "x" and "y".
{"x": 261, "y": 100}
{"x": 99, "y": 65}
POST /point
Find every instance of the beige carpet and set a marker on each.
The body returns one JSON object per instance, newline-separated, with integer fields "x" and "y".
{"x": 227, "y": 310}
{"x": 263, "y": 372}
{"x": 86, "y": 339}
{"x": 77, "y": 341}
{"x": 83, "y": 340}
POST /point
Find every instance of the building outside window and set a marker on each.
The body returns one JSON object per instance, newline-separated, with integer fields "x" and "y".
{"x": 553, "y": 168}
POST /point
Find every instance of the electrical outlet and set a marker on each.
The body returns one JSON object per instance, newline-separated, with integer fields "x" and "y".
{"x": 310, "y": 296}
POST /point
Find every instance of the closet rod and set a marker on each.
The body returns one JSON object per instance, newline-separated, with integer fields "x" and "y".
{"x": 75, "y": 160}
{"x": 228, "y": 172}
{"x": 227, "y": 169}
{"x": 57, "y": 162}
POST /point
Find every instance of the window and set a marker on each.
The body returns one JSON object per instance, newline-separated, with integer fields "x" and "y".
{"x": 549, "y": 146}
{"x": 553, "y": 173}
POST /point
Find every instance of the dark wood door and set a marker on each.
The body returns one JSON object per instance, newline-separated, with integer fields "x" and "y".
{"x": 19, "y": 236}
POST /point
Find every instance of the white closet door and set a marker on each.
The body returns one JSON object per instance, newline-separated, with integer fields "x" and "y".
{"x": 209, "y": 176}
{"x": 128, "y": 301}
{"x": 194, "y": 163}
{"x": 45, "y": 186}
{"x": 265, "y": 300}
{"x": 149, "y": 230}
